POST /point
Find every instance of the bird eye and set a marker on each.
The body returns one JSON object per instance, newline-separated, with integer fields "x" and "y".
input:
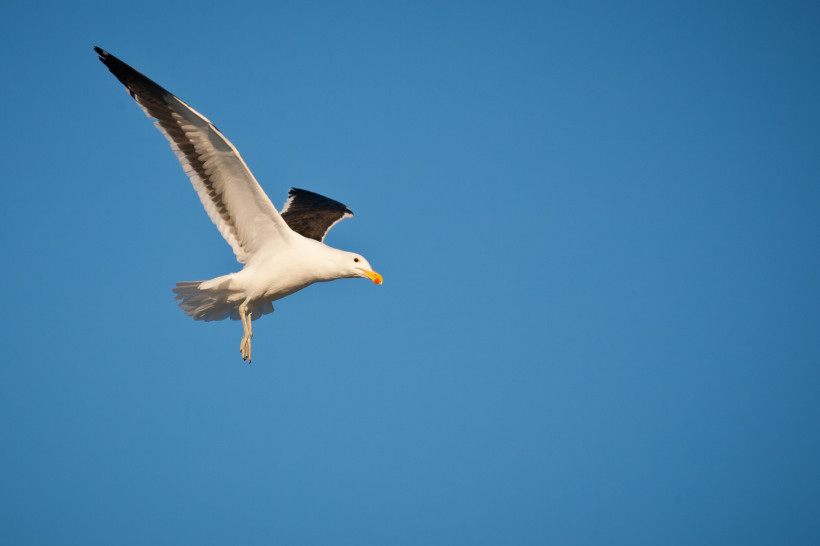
{"x": 355, "y": 259}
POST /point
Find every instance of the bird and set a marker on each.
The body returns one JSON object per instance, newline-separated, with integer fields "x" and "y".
{"x": 282, "y": 251}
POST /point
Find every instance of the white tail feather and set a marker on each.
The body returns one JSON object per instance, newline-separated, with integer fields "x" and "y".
{"x": 210, "y": 300}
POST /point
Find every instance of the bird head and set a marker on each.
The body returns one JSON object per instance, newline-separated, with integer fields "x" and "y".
{"x": 357, "y": 266}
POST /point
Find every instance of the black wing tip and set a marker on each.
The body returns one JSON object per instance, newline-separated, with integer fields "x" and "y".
{"x": 104, "y": 56}
{"x": 128, "y": 76}
{"x": 293, "y": 192}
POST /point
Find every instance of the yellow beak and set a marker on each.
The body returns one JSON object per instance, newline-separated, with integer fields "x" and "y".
{"x": 372, "y": 275}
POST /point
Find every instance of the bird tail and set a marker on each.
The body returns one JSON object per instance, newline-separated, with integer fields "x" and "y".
{"x": 209, "y": 300}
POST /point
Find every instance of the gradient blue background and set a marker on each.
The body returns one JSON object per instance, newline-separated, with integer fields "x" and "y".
{"x": 598, "y": 225}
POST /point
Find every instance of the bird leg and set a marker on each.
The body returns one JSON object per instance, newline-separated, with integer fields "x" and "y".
{"x": 245, "y": 346}
{"x": 250, "y": 334}
{"x": 244, "y": 330}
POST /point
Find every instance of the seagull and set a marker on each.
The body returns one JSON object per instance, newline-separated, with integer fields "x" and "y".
{"x": 282, "y": 251}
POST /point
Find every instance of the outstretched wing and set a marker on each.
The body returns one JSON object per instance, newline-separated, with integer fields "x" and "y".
{"x": 236, "y": 203}
{"x": 312, "y": 215}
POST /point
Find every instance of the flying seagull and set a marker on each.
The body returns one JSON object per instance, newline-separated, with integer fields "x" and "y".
{"x": 282, "y": 252}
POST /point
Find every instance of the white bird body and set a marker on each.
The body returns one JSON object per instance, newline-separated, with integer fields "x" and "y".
{"x": 276, "y": 271}
{"x": 282, "y": 252}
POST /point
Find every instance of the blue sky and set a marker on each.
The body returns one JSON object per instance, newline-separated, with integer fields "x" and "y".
{"x": 598, "y": 228}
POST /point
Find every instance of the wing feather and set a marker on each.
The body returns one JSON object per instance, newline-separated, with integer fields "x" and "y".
{"x": 312, "y": 215}
{"x": 230, "y": 194}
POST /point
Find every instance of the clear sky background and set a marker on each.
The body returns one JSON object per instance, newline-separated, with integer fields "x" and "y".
{"x": 598, "y": 225}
